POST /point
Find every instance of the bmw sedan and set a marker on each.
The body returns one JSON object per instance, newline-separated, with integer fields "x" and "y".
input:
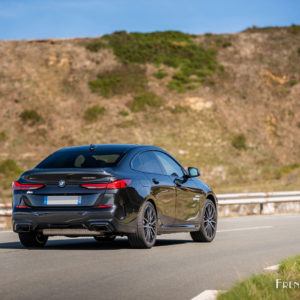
{"x": 106, "y": 191}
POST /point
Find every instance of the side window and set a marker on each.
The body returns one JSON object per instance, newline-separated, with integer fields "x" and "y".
{"x": 150, "y": 162}
{"x": 171, "y": 167}
{"x": 136, "y": 163}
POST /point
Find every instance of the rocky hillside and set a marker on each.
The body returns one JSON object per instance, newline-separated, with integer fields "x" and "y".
{"x": 228, "y": 104}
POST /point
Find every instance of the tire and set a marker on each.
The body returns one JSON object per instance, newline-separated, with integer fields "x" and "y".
{"x": 107, "y": 239}
{"x": 146, "y": 232}
{"x": 33, "y": 239}
{"x": 208, "y": 225}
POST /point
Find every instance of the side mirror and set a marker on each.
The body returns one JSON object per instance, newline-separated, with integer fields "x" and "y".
{"x": 193, "y": 172}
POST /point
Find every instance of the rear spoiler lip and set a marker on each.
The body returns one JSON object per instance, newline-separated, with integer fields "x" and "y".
{"x": 86, "y": 171}
{"x": 99, "y": 171}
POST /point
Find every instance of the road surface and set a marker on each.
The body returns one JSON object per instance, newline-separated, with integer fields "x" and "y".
{"x": 176, "y": 268}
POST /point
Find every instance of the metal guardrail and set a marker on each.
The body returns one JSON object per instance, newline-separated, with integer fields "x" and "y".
{"x": 258, "y": 198}
{"x": 5, "y": 209}
{"x": 226, "y": 199}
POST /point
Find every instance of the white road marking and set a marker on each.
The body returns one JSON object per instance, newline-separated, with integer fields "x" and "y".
{"x": 274, "y": 268}
{"x": 245, "y": 228}
{"x": 5, "y": 231}
{"x": 207, "y": 295}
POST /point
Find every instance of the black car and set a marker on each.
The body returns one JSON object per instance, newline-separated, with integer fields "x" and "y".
{"x": 109, "y": 190}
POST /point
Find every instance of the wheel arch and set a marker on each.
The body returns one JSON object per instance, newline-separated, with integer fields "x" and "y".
{"x": 213, "y": 198}
{"x": 153, "y": 203}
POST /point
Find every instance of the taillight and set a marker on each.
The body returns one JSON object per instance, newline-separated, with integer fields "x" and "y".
{"x": 118, "y": 184}
{"x": 104, "y": 206}
{"x": 20, "y": 186}
{"x": 21, "y": 206}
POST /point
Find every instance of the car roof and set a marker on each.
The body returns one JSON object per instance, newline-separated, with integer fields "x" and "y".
{"x": 120, "y": 147}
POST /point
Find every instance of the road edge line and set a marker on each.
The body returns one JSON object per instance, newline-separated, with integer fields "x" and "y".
{"x": 274, "y": 268}
{"x": 208, "y": 295}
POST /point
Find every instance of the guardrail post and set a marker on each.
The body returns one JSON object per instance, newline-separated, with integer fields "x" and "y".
{"x": 261, "y": 208}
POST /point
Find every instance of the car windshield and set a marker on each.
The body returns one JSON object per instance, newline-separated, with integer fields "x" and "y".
{"x": 82, "y": 159}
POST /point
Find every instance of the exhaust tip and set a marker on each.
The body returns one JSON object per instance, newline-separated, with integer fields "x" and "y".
{"x": 22, "y": 227}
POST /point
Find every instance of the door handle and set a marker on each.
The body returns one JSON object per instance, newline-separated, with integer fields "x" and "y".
{"x": 155, "y": 181}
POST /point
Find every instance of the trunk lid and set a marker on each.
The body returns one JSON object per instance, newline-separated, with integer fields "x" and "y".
{"x": 62, "y": 188}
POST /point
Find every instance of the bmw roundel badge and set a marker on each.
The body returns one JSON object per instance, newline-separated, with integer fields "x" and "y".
{"x": 61, "y": 183}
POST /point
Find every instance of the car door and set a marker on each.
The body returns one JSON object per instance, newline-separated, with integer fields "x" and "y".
{"x": 162, "y": 187}
{"x": 187, "y": 194}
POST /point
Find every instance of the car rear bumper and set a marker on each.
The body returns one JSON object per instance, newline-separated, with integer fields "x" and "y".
{"x": 79, "y": 222}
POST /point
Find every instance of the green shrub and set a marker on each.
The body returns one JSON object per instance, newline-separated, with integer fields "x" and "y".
{"x": 226, "y": 44}
{"x": 9, "y": 171}
{"x": 239, "y": 141}
{"x": 298, "y": 124}
{"x": 172, "y": 48}
{"x": 192, "y": 86}
{"x": 222, "y": 68}
{"x": 161, "y": 73}
{"x": 93, "y": 113}
{"x": 124, "y": 113}
{"x": 8, "y": 167}
{"x": 122, "y": 80}
{"x": 157, "y": 47}
{"x": 96, "y": 45}
{"x": 144, "y": 100}
{"x": 177, "y": 85}
{"x": 2, "y": 136}
{"x": 298, "y": 51}
{"x": 31, "y": 117}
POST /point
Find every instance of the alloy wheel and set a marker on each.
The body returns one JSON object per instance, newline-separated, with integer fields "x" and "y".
{"x": 210, "y": 220}
{"x": 149, "y": 224}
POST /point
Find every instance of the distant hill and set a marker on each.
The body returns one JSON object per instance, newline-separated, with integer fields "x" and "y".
{"x": 228, "y": 104}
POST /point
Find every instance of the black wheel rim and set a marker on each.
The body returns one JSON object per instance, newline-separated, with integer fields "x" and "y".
{"x": 149, "y": 224}
{"x": 210, "y": 220}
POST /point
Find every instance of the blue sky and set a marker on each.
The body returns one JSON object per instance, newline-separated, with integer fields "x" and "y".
{"x": 30, "y": 19}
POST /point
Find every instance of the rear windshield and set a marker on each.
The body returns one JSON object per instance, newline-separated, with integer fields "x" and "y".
{"x": 82, "y": 159}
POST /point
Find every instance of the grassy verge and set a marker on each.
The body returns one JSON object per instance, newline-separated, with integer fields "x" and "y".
{"x": 263, "y": 286}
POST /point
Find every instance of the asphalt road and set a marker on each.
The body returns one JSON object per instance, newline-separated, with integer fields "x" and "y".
{"x": 176, "y": 268}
